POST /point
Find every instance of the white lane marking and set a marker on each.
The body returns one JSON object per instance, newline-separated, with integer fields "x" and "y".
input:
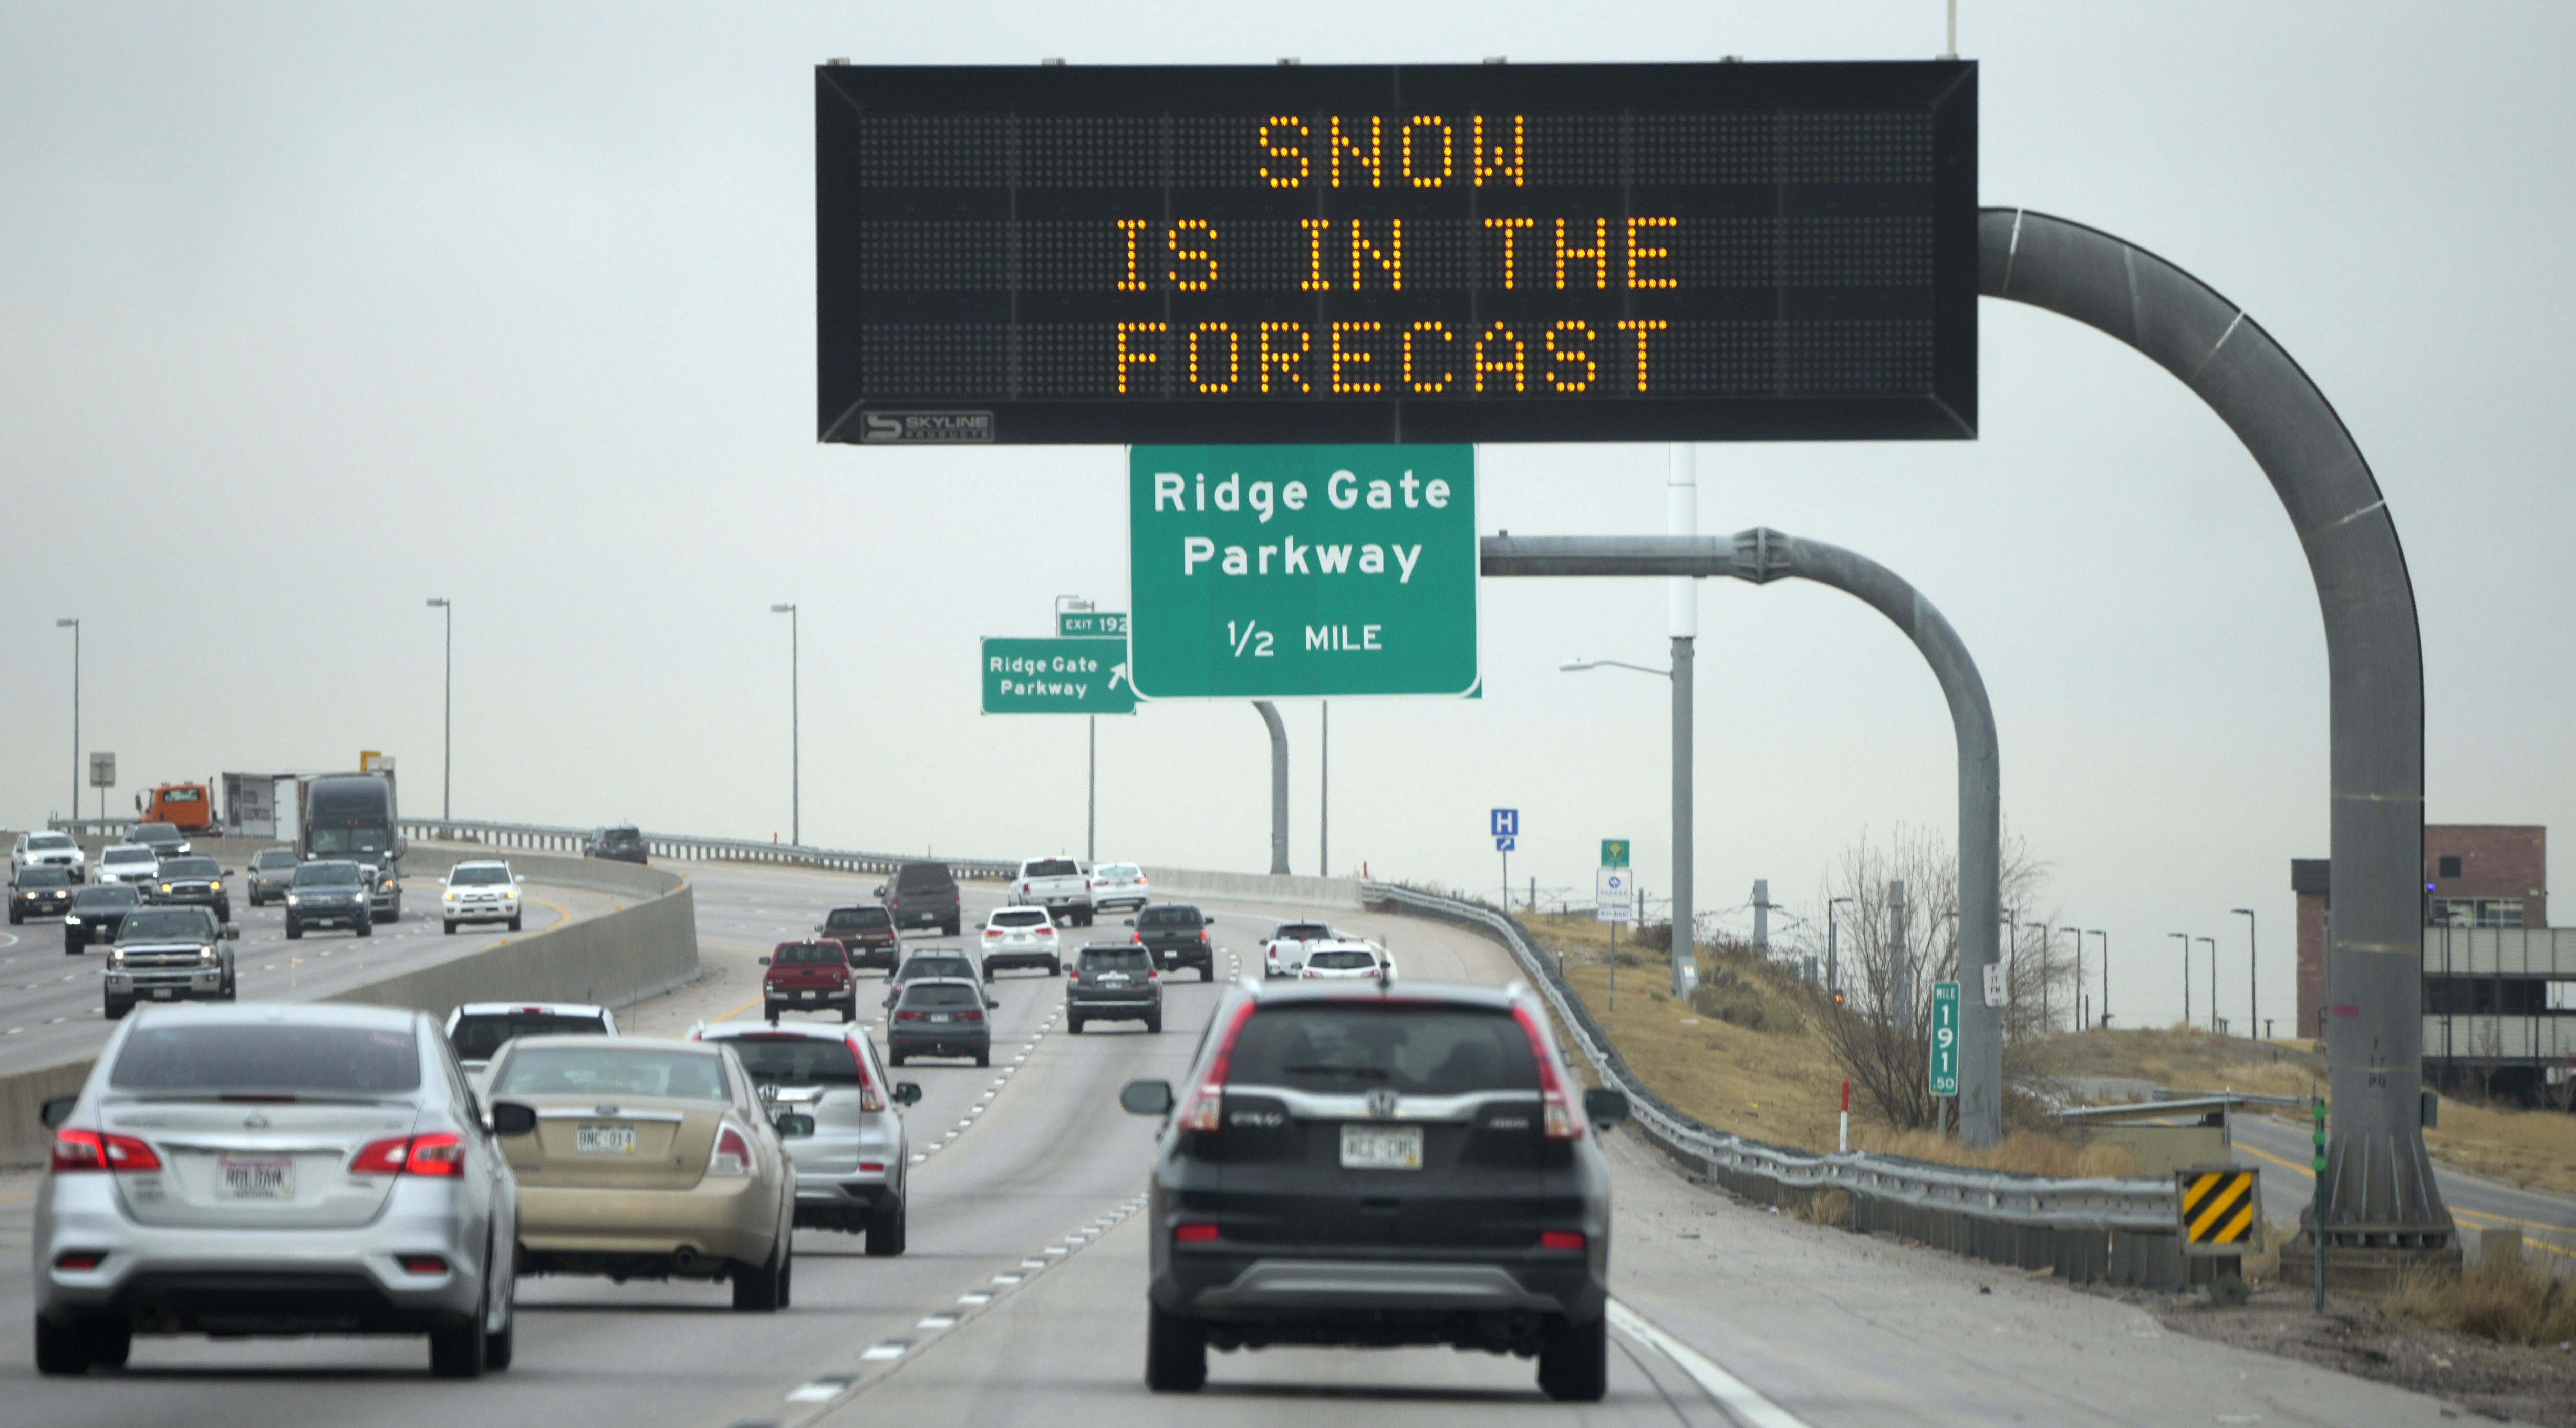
{"x": 821, "y": 1390}
{"x": 938, "y": 1321}
{"x": 879, "y": 1353}
{"x": 1033, "y": 1264}
{"x": 975, "y": 1297}
{"x": 1740, "y": 1400}
{"x": 1006, "y": 1279}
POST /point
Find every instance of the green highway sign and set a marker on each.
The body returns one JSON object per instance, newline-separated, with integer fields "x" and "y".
{"x": 1614, "y": 852}
{"x": 1090, "y": 624}
{"x": 1285, "y": 571}
{"x": 1945, "y": 1038}
{"x": 1056, "y": 677}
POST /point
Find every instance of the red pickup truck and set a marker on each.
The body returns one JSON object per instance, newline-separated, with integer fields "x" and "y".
{"x": 808, "y": 975}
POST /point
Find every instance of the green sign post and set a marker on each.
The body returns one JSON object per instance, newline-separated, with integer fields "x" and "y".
{"x": 1945, "y": 1038}
{"x": 1056, "y": 677}
{"x": 1614, "y": 852}
{"x": 1287, "y": 571}
{"x": 1090, "y": 624}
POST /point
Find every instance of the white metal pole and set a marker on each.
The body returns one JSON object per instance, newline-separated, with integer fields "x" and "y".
{"x": 1681, "y": 620}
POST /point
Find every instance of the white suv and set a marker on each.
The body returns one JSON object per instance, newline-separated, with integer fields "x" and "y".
{"x": 47, "y": 850}
{"x": 479, "y": 892}
{"x": 131, "y": 863}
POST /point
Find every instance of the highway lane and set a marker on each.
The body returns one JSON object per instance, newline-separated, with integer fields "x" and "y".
{"x": 2284, "y": 1150}
{"x": 1020, "y": 1300}
{"x": 51, "y": 1002}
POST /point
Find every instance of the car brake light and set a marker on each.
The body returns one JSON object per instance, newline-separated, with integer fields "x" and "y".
{"x": 423, "y": 1264}
{"x": 1308, "y": 973}
{"x": 1558, "y": 1118}
{"x": 1560, "y": 1239}
{"x": 992, "y": 932}
{"x": 1207, "y": 1103}
{"x": 970, "y": 1016}
{"x": 79, "y": 1259}
{"x": 381, "y": 1157}
{"x": 1203, "y": 934}
{"x": 732, "y": 1154}
{"x": 1135, "y": 937}
{"x": 907, "y": 1016}
{"x": 1194, "y": 1234}
{"x": 92, "y": 1150}
{"x": 439, "y": 1154}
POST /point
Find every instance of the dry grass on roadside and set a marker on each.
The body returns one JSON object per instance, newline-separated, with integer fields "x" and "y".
{"x": 2530, "y": 1148}
{"x": 2021, "y": 1152}
{"x": 2506, "y": 1298}
{"x": 2182, "y": 1058}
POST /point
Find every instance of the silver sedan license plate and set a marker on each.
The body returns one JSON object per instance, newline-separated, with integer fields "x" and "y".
{"x": 595, "y": 1138}
{"x": 255, "y": 1177}
{"x": 1367, "y": 1147}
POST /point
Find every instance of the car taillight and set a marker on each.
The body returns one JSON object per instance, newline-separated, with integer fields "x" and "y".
{"x": 1135, "y": 937}
{"x": 1203, "y": 934}
{"x": 440, "y": 1153}
{"x": 870, "y": 1098}
{"x": 1204, "y": 1111}
{"x": 423, "y": 1264}
{"x": 907, "y": 1016}
{"x": 872, "y": 1167}
{"x": 90, "y": 1150}
{"x": 992, "y": 932}
{"x": 732, "y": 1154}
{"x": 970, "y": 1016}
{"x": 1555, "y": 1115}
{"x": 1309, "y": 972}
{"x": 79, "y": 1259}
{"x": 1194, "y": 1234}
{"x": 1560, "y": 1239}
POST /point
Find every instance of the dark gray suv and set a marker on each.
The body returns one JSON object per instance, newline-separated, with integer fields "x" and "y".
{"x": 1114, "y": 981}
{"x": 1359, "y": 1166}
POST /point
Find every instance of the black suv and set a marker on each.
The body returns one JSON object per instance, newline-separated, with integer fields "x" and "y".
{"x": 328, "y": 892}
{"x": 97, "y": 913}
{"x": 922, "y": 895}
{"x": 940, "y": 1016}
{"x": 39, "y": 890}
{"x": 1177, "y": 934}
{"x": 624, "y": 845}
{"x": 1114, "y": 981}
{"x": 184, "y": 882}
{"x": 1359, "y": 1167}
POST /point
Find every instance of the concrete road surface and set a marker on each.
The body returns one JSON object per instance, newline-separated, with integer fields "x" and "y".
{"x": 1021, "y": 1300}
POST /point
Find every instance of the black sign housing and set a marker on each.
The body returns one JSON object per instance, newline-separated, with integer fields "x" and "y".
{"x": 1425, "y": 253}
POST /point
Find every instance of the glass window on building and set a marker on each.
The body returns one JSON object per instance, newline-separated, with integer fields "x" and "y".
{"x": 2477, "y": 912}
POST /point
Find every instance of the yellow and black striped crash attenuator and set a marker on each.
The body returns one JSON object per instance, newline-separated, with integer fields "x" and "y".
{"x": 2221, "y": 1210}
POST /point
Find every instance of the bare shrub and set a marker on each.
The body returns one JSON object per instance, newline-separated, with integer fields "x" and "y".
{"x": 2504, "y": 1298}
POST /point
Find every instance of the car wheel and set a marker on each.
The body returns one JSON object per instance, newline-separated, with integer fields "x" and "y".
{"x": 514, "y": 920}
{"x": 1073, "y": 1024}
{"x": 762, "y": 1289}
{"x": 1054, "y": 968}
{"x": 71, "y": 1346}
{"x": 15, "y": 916}
{"x": 366, "y": 927}
{"x": 294, "y": 929}
{"x": 894, "y": 1058}
{"x": 885, "y": 1233}
{"x": 1574, "y": 1362}
{"x": 1207, "y": 970}
{"x": 456, "y": 1349}
{"x": 984, "y": 1058}
{"x": 71, "y": 946}
{"x": 770, "y": 1010}
{"x": 1154, "y": 1024}
{"x": 116, "y": 1009}
{"x": 1175, "y": 1352}
{"x": 450, "y": 924}
{"x": 849, "y": 1013}
{"x": 951, "y": 927}
{"x": 223, "y": 912}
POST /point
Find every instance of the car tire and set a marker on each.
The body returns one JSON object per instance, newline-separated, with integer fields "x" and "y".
{"x": 456, "y": 1349}
{"x": 984, "y": 1058}
{"x": 116, "y": 1010}
{"x": 762, "y": 1289}
{"x": 1154, "y": 1024}
{"x": 1073, "y": 1024}
{"x": 15, "y": 916}
{"x": 449, "y": 924}
{"x": 366, "y": 927}
{"x": 294, "y": 929}
{"x": 1574, "y": 1362}
{"x": 949, "y": 928}
{"x": 770, "y": 1011}
{"x": 849, "y": 1013}
{"x": 515, "y": 919}
{"x": 1055, "y": 968}
{"x": 894, "y": 1058}
{"x": 70, "y": 1346}
{"x": 224, "y": 911}
{"x": 1207, "y": 970}
{"x": 885, "y": 1233}
{"x": 1175, "y": 1352}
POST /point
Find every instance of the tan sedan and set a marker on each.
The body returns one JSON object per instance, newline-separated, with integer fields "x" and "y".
{"x": 639, "y": 1158}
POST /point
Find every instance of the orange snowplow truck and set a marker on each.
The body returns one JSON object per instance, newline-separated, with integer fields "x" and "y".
{"x": 184, "y": 806}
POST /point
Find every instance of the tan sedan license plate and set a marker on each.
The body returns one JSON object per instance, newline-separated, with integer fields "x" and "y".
{"x": 1381, "y": 1147}
{"x": 594, "y": 1138}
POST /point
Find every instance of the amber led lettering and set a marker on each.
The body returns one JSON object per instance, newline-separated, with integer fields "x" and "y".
{"x": 1562, "y": 353}
{"x": 1129, "y": 357}
{"x": 1275, "y": 354}
{"x": 1638, "y": 252}
{"x": 1505, "y": 152}
{"x": 1195, "y": 229}
{"x": 1508, "y": 227}
{"x": 1202, "y": 362}
{"x": 1516, "y": 365}
{"x": 1421, "y": 175}
{"x": 1338, "y": 356}
{"x": 1642, "y": 326}
{"x": 1336, "y": 144}
{"x": 1411, "y": 378}
{"x": 1390, "y": 257}
{"x": 1128, "y": 228}
{"x": 1276, "y": 171}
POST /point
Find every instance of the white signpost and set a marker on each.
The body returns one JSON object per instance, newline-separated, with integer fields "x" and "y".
{"x": 1613, "y": 900}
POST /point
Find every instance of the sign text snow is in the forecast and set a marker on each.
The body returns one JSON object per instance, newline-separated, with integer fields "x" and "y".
{"x": 1287, "y": 571}
{"x": 1056, "y": 677}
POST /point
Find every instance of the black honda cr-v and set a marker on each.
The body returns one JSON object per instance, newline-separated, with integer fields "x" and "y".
{"x": 1353, "y": 1164}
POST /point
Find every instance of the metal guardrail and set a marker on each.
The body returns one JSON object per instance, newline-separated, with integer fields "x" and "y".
{"x": 2122, "y": 1229}
{"x": 687, "y": 847}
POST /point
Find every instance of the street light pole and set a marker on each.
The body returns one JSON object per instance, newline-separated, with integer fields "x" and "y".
{"x": 795, "y": 732}
{"x": 1685, "y": 965}
{"x": 447, "y": 740}
{"x": 2186, "y": 974}
{"x": 2213, "y": 982}
{"x": 1091, "y": 797}
{"x": 1833, "y": 968}
{"x": 2106, "y": 974}
{"x": 74, "y": 810}
{"x": 2253, "y": 993}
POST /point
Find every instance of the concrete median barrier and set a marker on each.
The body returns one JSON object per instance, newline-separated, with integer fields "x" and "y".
{"x": 645, "y": 946}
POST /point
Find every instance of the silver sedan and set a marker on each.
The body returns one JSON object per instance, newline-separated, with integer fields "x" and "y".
{"x": 269, "y": 1169}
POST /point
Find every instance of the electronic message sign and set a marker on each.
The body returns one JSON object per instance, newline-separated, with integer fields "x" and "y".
{"x": 1435, "y": 253}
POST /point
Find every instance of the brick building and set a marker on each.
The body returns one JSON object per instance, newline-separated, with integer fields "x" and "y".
{"x": 2475, "y": 875}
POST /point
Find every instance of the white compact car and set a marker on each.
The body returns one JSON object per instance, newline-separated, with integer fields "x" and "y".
{"x": 1283, "y": 954}
{"x": 47, "y": 850}
{"x": 133, "y": 864}
{"x": 480, "y": 892}
{"x": 1346, "y": 959}
{"x": 1117, "y": 885}
{"x": 1022, "y": 937}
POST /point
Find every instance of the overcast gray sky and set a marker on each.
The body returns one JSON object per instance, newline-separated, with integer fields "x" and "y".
{"x": 308, "y": 313}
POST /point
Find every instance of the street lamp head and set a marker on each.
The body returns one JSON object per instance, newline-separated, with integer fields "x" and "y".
{"x": 2249, "y": 912}
{"x": 1572, "y": 666}
{"x": 437, "y": 604}
{"x": 66, "y": 624}
{"x": 782, "y": 609}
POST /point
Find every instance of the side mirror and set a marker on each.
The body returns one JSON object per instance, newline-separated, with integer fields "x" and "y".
{"x": 764, "y": 961}
{"x": 880, "y": 892}
{"x": 793, "y": 1125}
{"x": 907, "y": 1093}
{"x": 992, "y": 1004}
{"x": 1130, "y": 922}
{"x": 230, "y": 873}
{"x": 1605, "y": 1108}
{"x": 232, "y": 932}
{"x": 1146, "y": 1098}
{"x": 512, "y": 1118}
{"x": 57, "y": 1110}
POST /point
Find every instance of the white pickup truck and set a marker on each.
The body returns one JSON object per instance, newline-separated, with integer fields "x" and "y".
{"x": 1284, "y": 953}
{"x": 1057, "y": 884}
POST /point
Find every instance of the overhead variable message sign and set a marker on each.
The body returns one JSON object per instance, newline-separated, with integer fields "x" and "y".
{"x": 1441, "y": 253}
{"x": 1262, "y": 572}
{"x": 1056, "y": 677}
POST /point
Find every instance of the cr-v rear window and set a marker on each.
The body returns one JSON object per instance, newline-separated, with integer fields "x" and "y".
{"x": 938, "y": 995}
{"x": 1414, "y": 1050}
{"x": 916, "y": 876}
